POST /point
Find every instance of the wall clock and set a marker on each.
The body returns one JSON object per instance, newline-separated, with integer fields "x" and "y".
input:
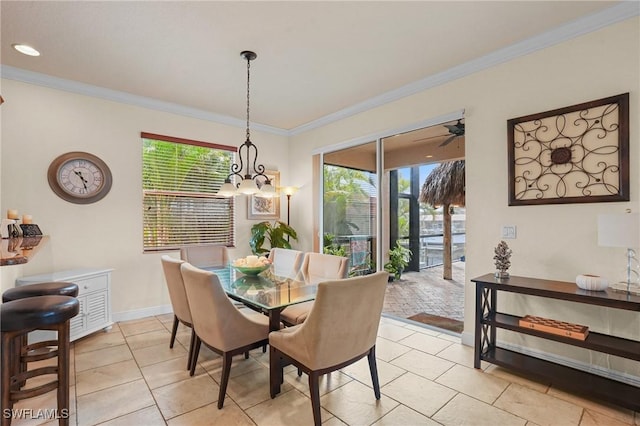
{"x": 79, "y": 177}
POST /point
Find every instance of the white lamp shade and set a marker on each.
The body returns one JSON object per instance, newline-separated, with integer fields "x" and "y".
{"x": 227, "y": 190}
{"x": 267, "y": 191}
{"x": 289, "y": 190}
{"x": 248, "y": 187}
{"x": 619, "y": 230}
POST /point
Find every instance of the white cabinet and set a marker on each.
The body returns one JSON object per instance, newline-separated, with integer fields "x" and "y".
{"x": 94, "y": 295}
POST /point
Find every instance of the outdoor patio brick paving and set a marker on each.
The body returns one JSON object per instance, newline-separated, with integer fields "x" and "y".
{"x": 426, "y": 291}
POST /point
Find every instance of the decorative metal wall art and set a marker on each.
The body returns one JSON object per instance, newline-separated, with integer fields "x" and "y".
{"x": 576, "y": 154}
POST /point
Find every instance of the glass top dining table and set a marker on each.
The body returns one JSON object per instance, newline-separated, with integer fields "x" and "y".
{"x": 266, "y": 292}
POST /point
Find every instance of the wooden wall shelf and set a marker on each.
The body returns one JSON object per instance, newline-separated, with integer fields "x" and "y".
{"x": 16, "y": 251}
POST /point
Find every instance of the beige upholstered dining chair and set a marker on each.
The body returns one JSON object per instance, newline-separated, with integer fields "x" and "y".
{"x": 316, "y": 267}
{"x": 179, "y": 303}
{"x": 341, "y": 329}
{"x": 218, "y": 324}
{"x": 205, "y": 256}
{"x": 286, "y": 262}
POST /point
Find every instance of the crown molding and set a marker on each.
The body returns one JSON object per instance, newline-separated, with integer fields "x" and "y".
{"x": 45, "y": 80}
{"x": 576, "y": 28}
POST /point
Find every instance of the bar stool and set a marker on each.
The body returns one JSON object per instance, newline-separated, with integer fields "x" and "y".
{"x": 55, "y": 288}
{"x": 19, "y": 317}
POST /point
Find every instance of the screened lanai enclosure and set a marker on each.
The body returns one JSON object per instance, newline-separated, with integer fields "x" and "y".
{"x": 350, "y": 200}
{"x": 371, "y": 201}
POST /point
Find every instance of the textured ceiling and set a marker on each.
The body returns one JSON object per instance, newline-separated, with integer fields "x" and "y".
{"x": 314, "y": 58}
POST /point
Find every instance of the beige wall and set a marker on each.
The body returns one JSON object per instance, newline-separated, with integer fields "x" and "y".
{"x": 40, "y": 123}
{"x": 554, "y": 241}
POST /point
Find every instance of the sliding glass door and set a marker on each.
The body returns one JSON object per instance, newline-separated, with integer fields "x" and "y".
{"x": 385, "y": 178}
{"x": 350, "y": 204}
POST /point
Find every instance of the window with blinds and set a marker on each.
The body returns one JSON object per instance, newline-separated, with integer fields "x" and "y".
{"x": 179, "y": 180}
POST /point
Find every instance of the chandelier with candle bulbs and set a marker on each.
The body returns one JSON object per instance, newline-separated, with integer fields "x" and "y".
{"x": 247, "y": 182}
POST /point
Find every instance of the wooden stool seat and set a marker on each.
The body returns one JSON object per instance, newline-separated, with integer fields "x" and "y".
{"x": 19, "y": 317}
{"x": 56, "y": 288}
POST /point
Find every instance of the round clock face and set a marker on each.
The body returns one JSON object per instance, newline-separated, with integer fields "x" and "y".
{"x": 79, "y": 177}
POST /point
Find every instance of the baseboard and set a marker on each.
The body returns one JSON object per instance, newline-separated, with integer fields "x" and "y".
{"x": 141, "y": 313}
{"x": 467, "y": 338}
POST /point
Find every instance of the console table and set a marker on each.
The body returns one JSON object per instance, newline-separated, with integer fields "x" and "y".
{"x": 488, "y": 319}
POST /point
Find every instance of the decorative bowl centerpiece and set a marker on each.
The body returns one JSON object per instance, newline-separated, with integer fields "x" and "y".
{"x": 251, "y": 265}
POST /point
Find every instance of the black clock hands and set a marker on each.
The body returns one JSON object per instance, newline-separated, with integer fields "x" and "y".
{"x": 84, "y": 181}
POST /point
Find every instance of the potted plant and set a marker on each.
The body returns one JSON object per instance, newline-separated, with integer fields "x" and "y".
{"x": 398, "y": 259}
{"x": 278, "y": 234}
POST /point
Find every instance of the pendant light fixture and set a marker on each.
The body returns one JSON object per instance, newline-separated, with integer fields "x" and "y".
{"x": 252, "y": 170}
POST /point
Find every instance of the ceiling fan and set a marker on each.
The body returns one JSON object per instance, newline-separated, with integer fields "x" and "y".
{"x": 455, "y": 130}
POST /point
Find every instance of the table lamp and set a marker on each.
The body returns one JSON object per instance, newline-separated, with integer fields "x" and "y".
{"x": 622, "y": 230}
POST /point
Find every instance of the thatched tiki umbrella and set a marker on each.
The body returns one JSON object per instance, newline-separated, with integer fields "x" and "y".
{"x": 445, "y": 187}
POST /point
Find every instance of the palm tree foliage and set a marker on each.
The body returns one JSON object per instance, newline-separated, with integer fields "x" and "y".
{"x": 344, "y": 187}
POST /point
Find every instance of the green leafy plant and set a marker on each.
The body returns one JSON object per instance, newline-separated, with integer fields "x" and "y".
{"x": 331, "y": 246}
{"x": 399, "y": 258}
{"x": 278, "y": 234}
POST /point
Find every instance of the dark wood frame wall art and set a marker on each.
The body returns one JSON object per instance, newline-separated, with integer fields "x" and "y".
{"x": 576, "y": 154}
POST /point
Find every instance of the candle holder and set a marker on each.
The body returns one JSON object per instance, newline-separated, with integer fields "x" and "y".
{"x": 14, "y": 231}
{"x": 6, "y": 228}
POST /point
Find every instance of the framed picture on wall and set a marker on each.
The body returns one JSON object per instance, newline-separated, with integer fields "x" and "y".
{"x": 265, "y": 208}
{"x": 576, "y": 154}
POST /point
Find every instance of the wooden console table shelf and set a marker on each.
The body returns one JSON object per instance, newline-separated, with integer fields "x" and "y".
{"x": 488, "y": 320}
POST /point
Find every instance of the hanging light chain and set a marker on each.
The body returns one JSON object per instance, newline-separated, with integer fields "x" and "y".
{"x": 248, "y": 79}
{"x": 247, "y": 183}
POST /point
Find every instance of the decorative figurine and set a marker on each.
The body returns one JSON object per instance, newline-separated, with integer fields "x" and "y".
{"x": 503, "y": 254}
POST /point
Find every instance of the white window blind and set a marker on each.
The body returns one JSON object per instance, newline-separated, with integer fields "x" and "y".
{"x": 180, "y": 179}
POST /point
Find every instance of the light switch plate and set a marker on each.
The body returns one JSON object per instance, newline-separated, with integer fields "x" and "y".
{"x": 509, "y": 232}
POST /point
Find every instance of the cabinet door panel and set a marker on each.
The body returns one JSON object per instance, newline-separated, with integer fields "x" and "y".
{"x": 97, "y": 309}
{"x": 77, "y": 323}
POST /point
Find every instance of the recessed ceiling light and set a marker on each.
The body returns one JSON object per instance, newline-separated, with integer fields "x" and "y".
{"x": 26, "y": 49}
{"x": 428, "y": 156}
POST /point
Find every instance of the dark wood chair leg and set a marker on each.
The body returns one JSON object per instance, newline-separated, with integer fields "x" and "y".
{"x": 373, "y": 368}
{"x": 63, "y": 374}
{"x": 227, "y": 359}
{"x": 196, "y": 352}
{"x": 6, "y": 376}
{"x": 275, "y": 371}
{"x": 191, "y": 344}
{"x": 299, "y": 372}
{"x": 14, "y": 348}
{"x": 23, "y": 341}
{"x": 246, "y": 355}
{"x": 314, "y": 389}
{"x": 174, "y": 330}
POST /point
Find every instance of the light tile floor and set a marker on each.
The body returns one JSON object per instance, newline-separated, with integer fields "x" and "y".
{"x": 129, "y": 376}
